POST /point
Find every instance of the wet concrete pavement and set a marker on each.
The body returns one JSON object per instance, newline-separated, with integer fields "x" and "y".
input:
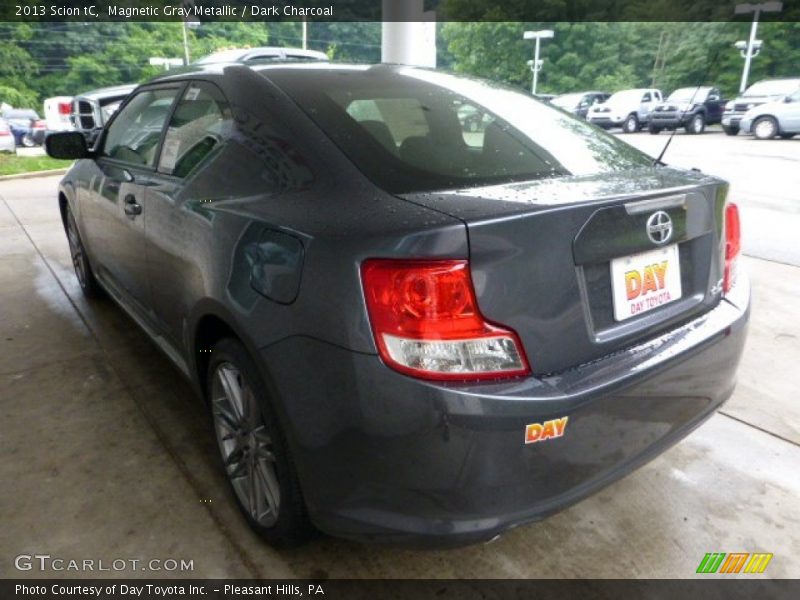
{"x": 105, "y": 453}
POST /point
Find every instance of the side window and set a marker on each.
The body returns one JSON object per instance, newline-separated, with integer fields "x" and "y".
{"x": 200, "y": 123}
{"x": 134, "y": 135}
{"x": 646, "y": 97}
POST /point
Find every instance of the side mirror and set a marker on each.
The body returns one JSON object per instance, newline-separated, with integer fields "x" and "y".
{"x": 788, "y": 100}
{"x": 69, "y": 145}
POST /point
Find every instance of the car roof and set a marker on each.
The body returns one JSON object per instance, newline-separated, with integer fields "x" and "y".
{"x": 266, "y": 52}
{"x": 18, "y": 112}
{"x": 116, "y": 90}
{"x": 302, "y": 69}
{"x": 697, "y": 87}
{"x": 779, "y": 79}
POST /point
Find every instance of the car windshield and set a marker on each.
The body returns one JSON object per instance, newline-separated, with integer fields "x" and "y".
{"x": 773, "y": 88}
{"x": 691, "y": 94}
{"x": 568, "y": 100}
{"x": 405, "y": 128}
{"x": 625, "y": 96}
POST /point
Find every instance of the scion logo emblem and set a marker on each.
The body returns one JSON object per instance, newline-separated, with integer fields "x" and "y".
{"x": 659, "y": 227}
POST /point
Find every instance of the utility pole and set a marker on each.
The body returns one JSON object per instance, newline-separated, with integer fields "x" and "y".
{"x": 185, "y": 44}
{"x": 660, "y": 58}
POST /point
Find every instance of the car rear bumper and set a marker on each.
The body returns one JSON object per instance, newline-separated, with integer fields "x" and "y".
{"x": 389, "y": 458}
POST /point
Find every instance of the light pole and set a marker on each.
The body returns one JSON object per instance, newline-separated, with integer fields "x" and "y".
{"x": 756, "y": 9}
{"x": 536, "y": 64}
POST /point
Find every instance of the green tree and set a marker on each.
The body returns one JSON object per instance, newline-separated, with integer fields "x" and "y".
{"x": 17, "y": 97}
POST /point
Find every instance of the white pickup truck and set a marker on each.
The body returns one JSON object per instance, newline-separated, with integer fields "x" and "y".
{"x": 627, "y": 109}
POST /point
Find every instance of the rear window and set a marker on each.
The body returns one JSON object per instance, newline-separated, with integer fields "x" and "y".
{"x": 417, "y": 130}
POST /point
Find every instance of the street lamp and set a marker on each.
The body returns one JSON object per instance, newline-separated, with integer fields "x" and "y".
{"x": 536, "y": 64}
{"x": 741, "y": 45}
{"x": 756, "y": 9}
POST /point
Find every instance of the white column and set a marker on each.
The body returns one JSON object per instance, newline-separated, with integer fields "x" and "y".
{"x": 408, "y": 34}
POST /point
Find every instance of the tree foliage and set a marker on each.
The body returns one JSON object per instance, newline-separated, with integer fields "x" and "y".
{"x": 613, "y": 56}
{"x": 39, "y": 60}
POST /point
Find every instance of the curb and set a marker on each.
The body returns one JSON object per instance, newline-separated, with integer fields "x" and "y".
{"x": 33, "y": 174}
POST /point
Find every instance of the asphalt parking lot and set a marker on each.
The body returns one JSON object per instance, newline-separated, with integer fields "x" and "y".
{"x": 107, "y": 455}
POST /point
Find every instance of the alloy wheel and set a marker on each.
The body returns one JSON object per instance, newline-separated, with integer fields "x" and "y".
{"x": 765, "y": 129}
{"x": 245, "y": 444}
{"x": 698, "y": 124}
{"x": 76, "y": 250}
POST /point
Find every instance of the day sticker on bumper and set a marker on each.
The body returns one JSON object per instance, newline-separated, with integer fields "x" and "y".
{"x": 540, "y": 432}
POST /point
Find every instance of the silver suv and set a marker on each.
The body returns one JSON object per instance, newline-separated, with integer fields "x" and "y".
{"x": 766, "y": 90}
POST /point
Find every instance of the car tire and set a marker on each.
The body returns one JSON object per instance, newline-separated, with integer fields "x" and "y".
{"x": 631, "y": 124}
{"x": 654, "y": 130}
{"x": 764, "y": 128}
{"x": 80, "y": 260}
{"x": 696, "y": 125}
{"x": 27, "y": 141}
{"x": 253, "y": 449}
{"x": 730, "y": 130}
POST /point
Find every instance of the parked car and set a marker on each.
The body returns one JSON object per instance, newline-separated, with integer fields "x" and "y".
{"x": 58, "y": 113}
{"x": 774, "y": 119}
{"x": 691, "y": 108}
{"x": 471, "y": 118}
{"x": 268, "y": 53}
{"x": 766, "y": 90}
{"x": 7, "y": 143}
{"x": 404, "y": 333}
{"x": 91, "y": 110}
{"x": 26, "y": 126}
{"x": 579, "y": 103}
{"x": 628, "y": 109}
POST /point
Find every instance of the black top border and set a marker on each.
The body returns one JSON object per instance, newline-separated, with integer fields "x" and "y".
{"x": 401, "y": 10}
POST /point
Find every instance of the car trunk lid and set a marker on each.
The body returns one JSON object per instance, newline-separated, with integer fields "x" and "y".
{"x": 541, "y": 256}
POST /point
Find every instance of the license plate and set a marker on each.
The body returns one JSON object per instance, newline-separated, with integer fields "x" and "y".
{"x": 643, "y": 282}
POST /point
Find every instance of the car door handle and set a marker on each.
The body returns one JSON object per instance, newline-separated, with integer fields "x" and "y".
{"x": 132, "y": 208}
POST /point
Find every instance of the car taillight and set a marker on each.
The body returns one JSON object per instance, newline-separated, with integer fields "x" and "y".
{"x": 65, "y": 108}
{"x": 732, "y": 245}
{"x": 426, "y": 322}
